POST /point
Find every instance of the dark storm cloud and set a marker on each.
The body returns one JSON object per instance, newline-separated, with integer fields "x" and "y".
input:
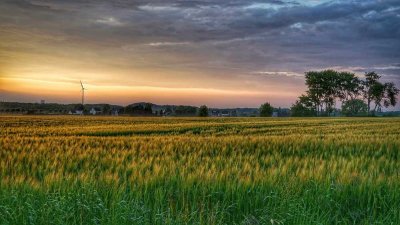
{"x": 232, "y": 38}
{"x": 204, "y": 20}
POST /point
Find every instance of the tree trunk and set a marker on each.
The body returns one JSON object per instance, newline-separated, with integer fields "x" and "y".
{"x": 376, "y": 105}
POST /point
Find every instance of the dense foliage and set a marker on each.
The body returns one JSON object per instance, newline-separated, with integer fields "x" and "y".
{"x": 203, "y": 111}
{"x": 183, "y": 110}
{"x": 266, "y": 110}
{"x": 102, "y": 170}
{"x": 139, "y": 109}
{"x": 354, "y": 107}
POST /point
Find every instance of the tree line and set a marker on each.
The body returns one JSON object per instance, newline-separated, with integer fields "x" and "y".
{"x": 359, "y": 97}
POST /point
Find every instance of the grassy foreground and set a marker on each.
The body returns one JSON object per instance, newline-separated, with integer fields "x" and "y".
{"x": 104, "y": 170}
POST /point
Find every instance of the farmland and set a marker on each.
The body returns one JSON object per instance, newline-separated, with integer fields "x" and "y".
{"x": 126, "y": 170}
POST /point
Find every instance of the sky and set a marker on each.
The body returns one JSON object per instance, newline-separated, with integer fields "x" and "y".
{"x": 222, "y": 53}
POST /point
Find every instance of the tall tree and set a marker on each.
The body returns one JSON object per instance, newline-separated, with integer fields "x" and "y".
{"x": 315, "y": 89}
{"x": 370, "y": 88}
{"x": 348, "y": 86}
{"x": 323, "y": 89}
{"x": 391, "y": 94}
{"x": 379, "y": 93}
{"x": 330, "y": 89}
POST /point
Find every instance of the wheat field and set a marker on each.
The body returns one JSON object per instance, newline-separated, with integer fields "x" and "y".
{"x": 127, "y": 170}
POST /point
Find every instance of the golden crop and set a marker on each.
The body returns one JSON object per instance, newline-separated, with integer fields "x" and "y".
{"x": 191, "y": 170}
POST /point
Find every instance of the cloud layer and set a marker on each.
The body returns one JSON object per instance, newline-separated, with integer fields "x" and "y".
{"x": 228, "y": 45}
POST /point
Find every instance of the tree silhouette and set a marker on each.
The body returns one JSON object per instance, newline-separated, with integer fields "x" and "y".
{"x": 304, "y": 106}
{"x": 203, "y": 111}
{"x": 266, "y": 110}
{"x": 390, "y": 95}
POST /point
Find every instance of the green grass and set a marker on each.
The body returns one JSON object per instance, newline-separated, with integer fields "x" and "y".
{"x": 104, "y": 170}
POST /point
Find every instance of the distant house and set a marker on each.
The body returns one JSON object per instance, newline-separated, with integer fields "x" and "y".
{"x": 275, "y": 114}
{"x": 95, "y": 111}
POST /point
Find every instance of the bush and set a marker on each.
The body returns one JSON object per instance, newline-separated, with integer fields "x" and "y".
{"x": 266, "y": 110}
{"x": 203, "y": 111}
{"x": 354, "y": 107}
